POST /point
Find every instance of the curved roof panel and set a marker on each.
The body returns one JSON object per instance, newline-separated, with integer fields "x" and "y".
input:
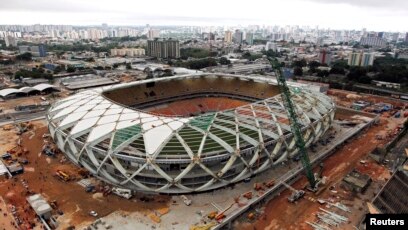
{"x": 44, "y": 86}
{"x": 27, "y": 89}
{"x": 7, "y": 92}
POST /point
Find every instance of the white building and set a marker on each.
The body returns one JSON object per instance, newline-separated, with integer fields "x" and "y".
{"x": 10, "y": 41}
{"x": 271, "y": 46}
{"x": 228, "y": 36}
{"x": 129, "y": 52}
{"x": 152, "y": 34}
{"x": 373, "y": 41}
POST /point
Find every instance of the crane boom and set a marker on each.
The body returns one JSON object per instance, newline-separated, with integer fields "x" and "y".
{"x": 294, "y": 123}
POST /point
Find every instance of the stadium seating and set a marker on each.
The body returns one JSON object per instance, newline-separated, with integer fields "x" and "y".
{"x": 145, "y": 93}
{"x": 192, "y": 106}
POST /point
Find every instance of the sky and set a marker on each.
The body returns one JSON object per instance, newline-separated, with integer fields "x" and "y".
{"x": 377, "y": 15}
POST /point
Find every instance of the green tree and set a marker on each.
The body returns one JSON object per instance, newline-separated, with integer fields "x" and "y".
{"x": 299, "y": 63}
{"x": 128, "y": 66}
{"x": 24, "y": 57}
{"x": 57, "y": 69}
{"x": 297, "y": 71}
{"x": 224, "y": 61}
{"x": 71, "y": 69}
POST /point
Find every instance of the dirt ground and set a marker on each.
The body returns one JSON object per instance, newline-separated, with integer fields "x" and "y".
{"x": 6, "y": 218}
{"x": 280, "y": 214}
{"x": 71, "y": 198}
{"x": 346, "y": 98}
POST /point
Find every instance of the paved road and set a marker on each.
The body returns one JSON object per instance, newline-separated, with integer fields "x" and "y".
{"x": 24, "y": 117}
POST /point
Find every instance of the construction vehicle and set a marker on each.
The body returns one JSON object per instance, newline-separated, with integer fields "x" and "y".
{"x": 54, "y": 204}
{"x": 186, "y": 200}
{"x": 294, "y": 124}
{"x": 125, "y": 193}
{"x": 62, "y": 175}
{"x": 258, "y": 186}
{"x": 296, "y": 194}
{"x": 48, "y": 151}
{"x": 203, "y": 227}
{"x": 221, "y": 212}
{"x": 269, "y": 184}
{"x": 247, "y": 195}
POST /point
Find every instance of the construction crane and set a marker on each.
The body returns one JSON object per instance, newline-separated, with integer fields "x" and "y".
{"x": 294, "y": 123}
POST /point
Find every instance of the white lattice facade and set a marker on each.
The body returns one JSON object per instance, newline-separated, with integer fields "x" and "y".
{"x": 155, "y": 153}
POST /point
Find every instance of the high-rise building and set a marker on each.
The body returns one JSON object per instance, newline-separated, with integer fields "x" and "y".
{"x": 394, "y": 37}
{"x": 228, "y": 36}
{"x": 36, "y": 51}
{"x": 406, "y": 37}
{"x": 10, "y": 41}
{"x": 361, "y": 59}
{"x": 373, "y": 41}
{"x": 249, "y": 38}
{"x": 367, "y": 59}
{"x": 152, "y": 34}
{"x": 271, "y": 46}
{"x": 354, "y": 59}
{"x": 163, "y": 48}
{"x": 325, "y": 57}
{"x": 238, "y": 37}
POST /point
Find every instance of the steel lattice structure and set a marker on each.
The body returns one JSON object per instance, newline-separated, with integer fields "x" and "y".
{"x": 155, "y": 153}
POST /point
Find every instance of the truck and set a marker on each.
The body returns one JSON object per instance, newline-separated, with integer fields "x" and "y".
{"x": 62, "y": 175}
{"x": 186, "y": 200}
{"x": 125, "y": 193}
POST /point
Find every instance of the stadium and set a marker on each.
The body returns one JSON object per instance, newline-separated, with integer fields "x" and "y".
{"x": 184, "y": 134}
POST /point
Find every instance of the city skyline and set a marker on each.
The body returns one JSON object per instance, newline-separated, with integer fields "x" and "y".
{"x": 334, "y": 14}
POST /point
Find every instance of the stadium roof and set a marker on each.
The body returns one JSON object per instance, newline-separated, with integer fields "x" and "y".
{"x": 89, "y": 112}
{"x": 102, "y": 135}
{"x": 26, "y": 90}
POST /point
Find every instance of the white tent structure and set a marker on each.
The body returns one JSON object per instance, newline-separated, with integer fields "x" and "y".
{"x": 4, "y": 93}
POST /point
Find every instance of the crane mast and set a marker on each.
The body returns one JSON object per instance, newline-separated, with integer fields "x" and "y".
{"x": 294, "y": 123}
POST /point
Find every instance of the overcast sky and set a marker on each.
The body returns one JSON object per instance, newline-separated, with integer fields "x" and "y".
{"x": 379, "y": 15}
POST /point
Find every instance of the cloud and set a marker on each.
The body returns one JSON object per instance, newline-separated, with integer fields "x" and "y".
{"x": 339, "y": 14}
{"x": 383, "y": 4}
{"x": 44, "y": 6}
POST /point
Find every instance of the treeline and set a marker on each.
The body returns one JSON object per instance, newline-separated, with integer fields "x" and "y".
{"x": 123, "y": 39}
{"x": 387, "y": 69}
{"x": 197, "y": 64}
{"x": 185, "y": 53}
{"x": 77, "y": 47}
{"x": 35, "y": 73}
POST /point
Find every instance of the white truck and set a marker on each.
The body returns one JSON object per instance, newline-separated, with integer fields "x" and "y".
{"x": 186, "y": 200}
{"x": 125, "y": 193}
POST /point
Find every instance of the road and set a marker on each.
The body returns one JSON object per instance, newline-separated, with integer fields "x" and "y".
{"x": 23, "y": 117}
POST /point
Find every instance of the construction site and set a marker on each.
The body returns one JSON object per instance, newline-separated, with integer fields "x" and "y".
{"x": 349, "y": 166}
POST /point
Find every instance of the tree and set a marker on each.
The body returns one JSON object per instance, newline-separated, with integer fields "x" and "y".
{"x": 314, "y": 64}
{"x": 246, "y": 55}
{"x": 297, "y": 71}
{"x": 322, "y": 73}
{"x": 299, "y": 63}
{"x": 186, "y": 53}
{"x": 57, "y": 69}
{"x": 224, "y": 61}
{"x": 71, "y": 69}
{"x": 128, "y": 66}
{"x": 356, "y": 73}
{"x": 24, "y": 57}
